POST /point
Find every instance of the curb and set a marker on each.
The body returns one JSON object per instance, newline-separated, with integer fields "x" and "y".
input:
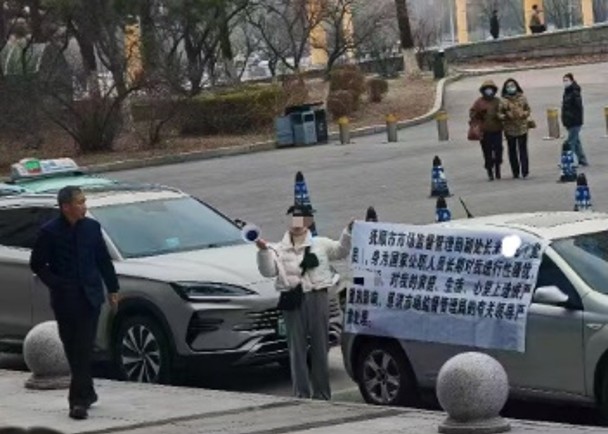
{"x": 501, "y": 70}
{"x": 183, "y": 157}
{"x": 268, "y": 145}
{"x": 430, "y": 115}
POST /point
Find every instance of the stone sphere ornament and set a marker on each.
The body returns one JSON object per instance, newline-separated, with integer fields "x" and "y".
{"x": 473, "y": 388}
{"x": 45, "y": 358}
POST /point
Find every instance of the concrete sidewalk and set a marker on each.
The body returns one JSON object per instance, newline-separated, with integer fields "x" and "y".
{"x": 146, "y": 409}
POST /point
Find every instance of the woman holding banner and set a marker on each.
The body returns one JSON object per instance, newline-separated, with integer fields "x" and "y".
{"x": 301, "y": 265}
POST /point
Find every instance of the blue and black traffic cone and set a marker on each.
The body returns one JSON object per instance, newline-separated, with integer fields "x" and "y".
{"x": 442, "y": 212}
{"x": 582, "y": 196}
{"x": 567, "y": 164}
{"x": 439, "y": 182}
{"x": 301, "y": 197}
{"x": 371, "y": 215}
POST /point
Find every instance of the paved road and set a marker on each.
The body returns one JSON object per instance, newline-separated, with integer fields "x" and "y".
{"x": 344, "y": 180}
{"x": 395, "y": 178}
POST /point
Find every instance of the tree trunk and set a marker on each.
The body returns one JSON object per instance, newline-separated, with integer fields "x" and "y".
{"x": 36, "y": 20}
{"x": 3, "y": 27}
{"x": 87, "y": 51}
{"x": 149, "y": 39}
{"x": 412, "y": 68}
{"x": 407, "y": 41}
{"x": 226, "y": 49}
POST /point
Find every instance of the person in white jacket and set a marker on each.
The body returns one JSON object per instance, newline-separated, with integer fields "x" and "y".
{"x": 301, "y": 265}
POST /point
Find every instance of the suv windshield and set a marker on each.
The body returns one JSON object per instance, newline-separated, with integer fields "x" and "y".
{"x": 165, "y": 226}
{"x": 587, "y": 255}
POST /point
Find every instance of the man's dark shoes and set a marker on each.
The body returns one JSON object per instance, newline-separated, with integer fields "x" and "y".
{"x": 92, "y": 400}
{"x": 78, "y": 412}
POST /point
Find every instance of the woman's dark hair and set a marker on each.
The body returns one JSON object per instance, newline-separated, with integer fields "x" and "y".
{"x": 511, "y": 80}
{"x": 569, "y": 76}
{"x": 534, "y": 7}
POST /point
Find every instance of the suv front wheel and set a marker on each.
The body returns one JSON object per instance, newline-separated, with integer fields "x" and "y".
{"x": 141, "y": 351}
{"x": 384, "y": 375}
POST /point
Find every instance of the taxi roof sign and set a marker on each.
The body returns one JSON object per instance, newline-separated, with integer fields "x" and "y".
{"x": 31, "y": 168}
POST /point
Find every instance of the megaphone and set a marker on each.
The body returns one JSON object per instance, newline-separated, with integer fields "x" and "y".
{"x": 250, "y": 233}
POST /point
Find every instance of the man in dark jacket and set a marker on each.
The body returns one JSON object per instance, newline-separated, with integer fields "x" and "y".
{"x": 71, "y": 258}
{"x": 494, "y": 25}
{"x": 572, "y": 116}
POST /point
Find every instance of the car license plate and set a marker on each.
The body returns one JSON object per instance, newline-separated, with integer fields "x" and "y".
{"x": 281, "y": 331}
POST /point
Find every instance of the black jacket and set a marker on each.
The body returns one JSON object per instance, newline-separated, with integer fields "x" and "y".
{"x": 572, "y": 106}
{"x": 74, "y": 258}
{"x": 494, "y": 26}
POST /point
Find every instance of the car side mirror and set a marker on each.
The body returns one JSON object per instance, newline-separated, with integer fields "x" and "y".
{"x": 240, "y": 223}
{"x": 550, "y": 295}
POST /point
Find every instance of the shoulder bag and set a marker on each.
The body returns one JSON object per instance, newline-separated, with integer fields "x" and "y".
{"x": 475, "y": 131}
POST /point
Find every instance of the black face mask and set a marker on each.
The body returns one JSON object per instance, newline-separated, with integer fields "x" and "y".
{"x": 309, "y": 262}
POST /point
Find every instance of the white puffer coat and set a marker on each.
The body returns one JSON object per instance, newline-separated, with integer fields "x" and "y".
{"x": 290, "y": 276}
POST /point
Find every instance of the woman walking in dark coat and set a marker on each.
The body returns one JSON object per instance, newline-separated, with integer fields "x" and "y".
{"x": 514, "y": 112}
{"x": 485, "y": 114}
{"x": 572, "y": 117}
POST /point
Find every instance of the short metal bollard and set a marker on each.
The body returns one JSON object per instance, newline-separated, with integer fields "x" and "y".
{"x": 606, "y": 118}
{"x": 553, "y": 124}
{"x": 442, "y": 126}
{"x": 344, "y": 126}
{"x": 391, "y": 128}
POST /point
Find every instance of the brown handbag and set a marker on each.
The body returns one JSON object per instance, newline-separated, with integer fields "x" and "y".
{"x": 475, "y": 132}
{"x": 531, "y": 124}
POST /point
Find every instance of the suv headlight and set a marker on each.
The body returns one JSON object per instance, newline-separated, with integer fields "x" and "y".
{"x": 205, "y": 290}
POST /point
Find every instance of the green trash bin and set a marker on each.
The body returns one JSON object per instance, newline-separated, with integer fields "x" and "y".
{"x": 439, "y": 64}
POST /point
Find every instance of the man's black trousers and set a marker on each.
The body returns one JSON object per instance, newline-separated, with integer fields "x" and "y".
{"x": 77, "y": 323}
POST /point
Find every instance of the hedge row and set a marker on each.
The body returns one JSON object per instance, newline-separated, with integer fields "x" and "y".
{"x": 242, "y": 110}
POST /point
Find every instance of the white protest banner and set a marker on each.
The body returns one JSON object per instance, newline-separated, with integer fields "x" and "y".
{"x": 442, "y": 284}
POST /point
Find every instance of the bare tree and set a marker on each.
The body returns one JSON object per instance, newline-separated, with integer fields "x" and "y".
{"x": 286, "y": 26}
{"x": 426, "y": 32}
{"x": 561, "y": 13}
{"x": 382, "y": 47}
{"x": 198, "y": 31}
{"x": 23, "y": 27}
{"x": 246, "y": 43}
{"x": 349, "y": 24}
{"x": 97, "y": 117}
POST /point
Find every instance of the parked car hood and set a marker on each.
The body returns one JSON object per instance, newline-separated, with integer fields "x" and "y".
{"x": 236, "y": 265}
